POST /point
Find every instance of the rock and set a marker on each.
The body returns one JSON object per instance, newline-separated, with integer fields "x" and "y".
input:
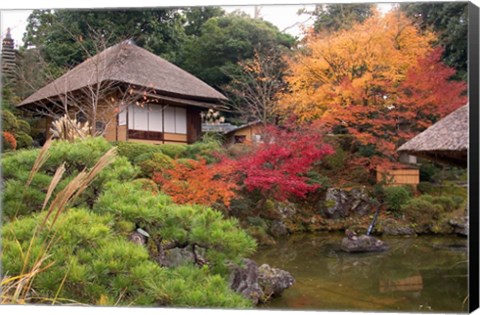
{"x": 362, "y": 203}
{"x": 273, "y": 281}
{"x": 278, "y": 229}
{"x": 178, "y": 256}
{"x": 363, "y": 243}
{"x": 392, "y": 227}
{"x": 259, "y": 284}
{"x": 244, "y": 280}
{"x": 138, "y": 238}
{"x": 460, "y": 225}
{"x": 337, "y": 201}
{"x": 286, "y": 210}
{"x": 340, "y": 203}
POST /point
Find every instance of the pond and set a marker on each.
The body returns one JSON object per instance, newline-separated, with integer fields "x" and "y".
{"x": 417, "y": 274}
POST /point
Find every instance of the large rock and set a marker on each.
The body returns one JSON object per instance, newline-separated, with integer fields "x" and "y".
{"x": 273, "y": 281}
{"x": 340, "y": 203}
{"x": 244, "y": 280}
{"x": 362, "y": 244}
{"x": 259, "y": 284}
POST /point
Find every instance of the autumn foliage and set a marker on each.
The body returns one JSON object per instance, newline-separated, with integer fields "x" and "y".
{"x": 195, "y": 182}
{"x": 277, "y": 167}
{"x": 381, "y": 82}
{"x": 9, "y": 141}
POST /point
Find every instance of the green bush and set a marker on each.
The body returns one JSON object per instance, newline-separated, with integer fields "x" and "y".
{"x": 173, "y": 150}
{"x": 23, "y": 126}
{"x": 146, "y": 184}
{"x": 92, "y": 261}
{"x": 21, "y": 200}
{"x": 395, "y": 197}
{"x": 156, "y": 163}
{"x": 166, "y": 221}
{"x": 9, "y": 121}
{"x": 203, "y": 150}
{"x": 425, "y": 187}
{"x": 422, "y": 212}
{"x": 131, "y": 150}
{"x": 93, "y": 265}
{"x": 23, "y": 140}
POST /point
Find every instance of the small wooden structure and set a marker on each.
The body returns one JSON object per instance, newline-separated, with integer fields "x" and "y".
{"x": 446, "y": 141}
{"x": 171, "y": 98}
{"x": 247, "y": 133}
{"x": 399, "y": 177}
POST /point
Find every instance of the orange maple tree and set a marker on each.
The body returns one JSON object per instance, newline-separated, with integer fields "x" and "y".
{"x": 196, "y": 182}
{"x": 381, "y": 82}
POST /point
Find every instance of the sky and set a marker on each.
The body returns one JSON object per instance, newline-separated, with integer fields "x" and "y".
{"x": 285, "y": 17}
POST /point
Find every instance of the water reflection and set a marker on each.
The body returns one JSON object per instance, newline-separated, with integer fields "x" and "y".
{"x": 416, "y": 274}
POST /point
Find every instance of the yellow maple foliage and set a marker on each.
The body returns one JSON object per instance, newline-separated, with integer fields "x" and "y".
{"x": 363, "y": 65}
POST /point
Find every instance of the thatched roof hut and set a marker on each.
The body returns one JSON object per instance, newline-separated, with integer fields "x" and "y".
{"x": 130, "y": 64}
{"x": 446, "y": 141}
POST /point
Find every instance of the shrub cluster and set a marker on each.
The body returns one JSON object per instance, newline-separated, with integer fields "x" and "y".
{"x": 395, "y": 197}
{"x": 18, "y": 128}
{"x": 90, "y": 260}
{"x": 426, "y": 211}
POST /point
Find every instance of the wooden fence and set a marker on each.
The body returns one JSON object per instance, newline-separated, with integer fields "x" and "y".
{"x": 399, "y": 177}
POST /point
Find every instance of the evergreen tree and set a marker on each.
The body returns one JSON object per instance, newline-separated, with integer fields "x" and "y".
{"x": 450, "y": 21}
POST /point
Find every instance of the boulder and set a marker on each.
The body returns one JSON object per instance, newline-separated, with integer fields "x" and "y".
{"x": 259, "y": 284}
{"x": 273, "y": 281}
{"x": 340, "y": 203}
{"x": 362, "y": 244}
{"x": 244, "y": 280}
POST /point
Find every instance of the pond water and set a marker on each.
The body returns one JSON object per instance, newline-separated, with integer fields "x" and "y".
{"x": 416, "y": 274}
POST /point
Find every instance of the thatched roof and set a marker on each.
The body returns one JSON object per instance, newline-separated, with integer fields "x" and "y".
{"x": 130, "y": 64}
{"x": 445, "y": 141}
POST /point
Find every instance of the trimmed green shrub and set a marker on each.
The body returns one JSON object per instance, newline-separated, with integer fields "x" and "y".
{"x": 173, "y": 150}
{"x": 146, "y": 184}
{"x": 24, "y": 126}
{"x": 9, "y": 121}
{"x": 165, "y": 221}
{"x": 131, "y": 150}
{"x": 156, "y": 163}
{"x": 20, "y": 200}
{"x": 395, "y": 197}
{"x": 207, "y": 151}
{"x": 23, "y": 140}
